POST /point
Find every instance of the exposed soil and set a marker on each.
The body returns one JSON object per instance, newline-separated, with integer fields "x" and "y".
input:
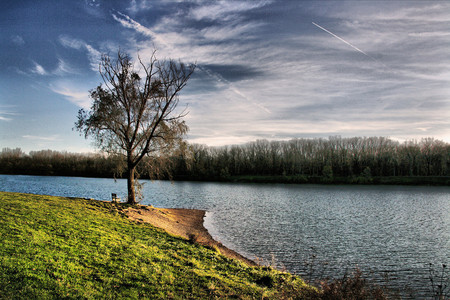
{"x": 187, "y": 223}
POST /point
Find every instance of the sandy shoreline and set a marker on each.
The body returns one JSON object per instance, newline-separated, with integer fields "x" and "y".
{"x": 187, "y": 223}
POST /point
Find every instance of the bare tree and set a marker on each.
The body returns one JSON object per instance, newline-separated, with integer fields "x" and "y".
{"x": 133, "y": 116}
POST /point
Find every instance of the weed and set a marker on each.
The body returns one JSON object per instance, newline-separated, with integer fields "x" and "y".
{"x": 439, "y": 282}
{"x": 314, "y": 269}
{"x": 351, "y": 287}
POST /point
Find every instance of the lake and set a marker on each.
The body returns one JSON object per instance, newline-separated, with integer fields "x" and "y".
{"x": 392, "y": 233}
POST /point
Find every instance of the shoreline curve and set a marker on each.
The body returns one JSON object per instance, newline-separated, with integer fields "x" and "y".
{"x": 186, "y": 223}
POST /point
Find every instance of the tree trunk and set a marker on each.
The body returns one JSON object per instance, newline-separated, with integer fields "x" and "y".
{"x": 130, "y": 185}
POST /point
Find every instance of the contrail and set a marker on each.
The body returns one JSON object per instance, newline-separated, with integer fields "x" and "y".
{"x": 220, "y": 78}
{"x": 342, "y": 40}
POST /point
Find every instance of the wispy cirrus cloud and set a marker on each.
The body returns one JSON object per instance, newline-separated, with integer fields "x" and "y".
{"x": 232, "y": 31}
{"x": 139, "y": 5}
{"x": 310, "y": 82}
{"x": 93, "y": 54}
{"x": 211, "y": 44}
{"x": 7, "y": 112}
{"x": 62, "y": 68}
{"x": 224, "y": 10}
{"x": 38, "y": 69}
{"x": 428, "y": 34}
{"x": 6, "y": 115}
{"x": 128, "y": 22}
{"x": 78, "y": 95}
{"x": 186, "y": 45}
{"x": 51, "y": 138}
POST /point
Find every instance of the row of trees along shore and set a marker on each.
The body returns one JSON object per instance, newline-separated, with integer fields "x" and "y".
{"x": 336, "y": 159}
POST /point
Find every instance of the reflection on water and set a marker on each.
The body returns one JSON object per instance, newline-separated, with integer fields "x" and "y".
{"x": 387, "y": 231}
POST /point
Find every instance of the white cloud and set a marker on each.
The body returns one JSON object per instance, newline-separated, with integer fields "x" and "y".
{"x": 38, "y": 69}
{"x": 61, "y": 69}
{"x": 230, "y": 31}
{"x": 157, "y": 39}
{"x": 92, "y": 3}
{"x": 69, "y": 42}
{"x": 391, "y": 11}
{"x": 93, "y": 54}
{"x": 2, "y": 118}
{"x": 432, "y": 34}
{"x": 7, "y": 112}
{"x": 51, "y": 138}
{"x": 171, "y": 37}
{"x": 311, "y": 83}
{"x": 77, "y": 95}
{"x": 94, "y": 57}
{"x": 139, "y": 5}
{"x": 224, "y": 10}
{"x": 64, "y": 68}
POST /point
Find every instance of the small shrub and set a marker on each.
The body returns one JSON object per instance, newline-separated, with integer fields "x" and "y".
{"x": 193, "y": 238}
{"x": 265, "y": 281}
{"x": 353, "y": 287}
{"x": 439, "y": 282}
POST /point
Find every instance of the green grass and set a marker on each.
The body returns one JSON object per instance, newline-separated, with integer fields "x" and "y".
{"x": 55, "y": 247}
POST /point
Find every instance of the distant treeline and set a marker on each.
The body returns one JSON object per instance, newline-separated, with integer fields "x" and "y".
{"x": 48, "y": 162}
{"x": 332, "y": 160}
{"x": 336, "y": 159}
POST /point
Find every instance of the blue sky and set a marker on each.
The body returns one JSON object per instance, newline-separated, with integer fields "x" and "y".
{"x": 266, "y": 69}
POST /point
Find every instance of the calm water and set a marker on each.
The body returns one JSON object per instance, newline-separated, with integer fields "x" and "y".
{"x": 387, "y": 231}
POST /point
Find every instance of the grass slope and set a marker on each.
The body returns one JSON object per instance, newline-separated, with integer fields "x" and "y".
{"x": 54, "y": 247}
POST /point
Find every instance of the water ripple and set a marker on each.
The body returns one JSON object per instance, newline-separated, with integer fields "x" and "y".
{"x": 392, "y": 233}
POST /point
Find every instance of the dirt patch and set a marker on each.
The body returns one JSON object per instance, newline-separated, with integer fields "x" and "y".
{"x": 187, "y": 223}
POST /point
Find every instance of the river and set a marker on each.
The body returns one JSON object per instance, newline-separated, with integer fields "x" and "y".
{"x": 392, "y": 233}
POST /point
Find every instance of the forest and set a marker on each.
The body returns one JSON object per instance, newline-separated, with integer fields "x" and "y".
{"x": 333, "y": 160}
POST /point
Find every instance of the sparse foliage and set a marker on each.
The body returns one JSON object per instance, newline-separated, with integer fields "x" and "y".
{"x": 134, "y": 112}
{"x": 351, "y": 287}
{"x": 440, "y": 282}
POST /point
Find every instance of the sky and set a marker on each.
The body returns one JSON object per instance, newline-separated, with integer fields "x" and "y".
{"x": 269, "y": 69}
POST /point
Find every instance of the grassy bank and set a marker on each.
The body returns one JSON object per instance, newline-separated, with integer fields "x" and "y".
{"x": 54, "y": 247}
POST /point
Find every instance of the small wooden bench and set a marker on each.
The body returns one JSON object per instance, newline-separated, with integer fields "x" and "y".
{"x": 114, "y": 197}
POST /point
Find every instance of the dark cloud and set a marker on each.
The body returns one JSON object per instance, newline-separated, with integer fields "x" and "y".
{"x": 234, "y": 72}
